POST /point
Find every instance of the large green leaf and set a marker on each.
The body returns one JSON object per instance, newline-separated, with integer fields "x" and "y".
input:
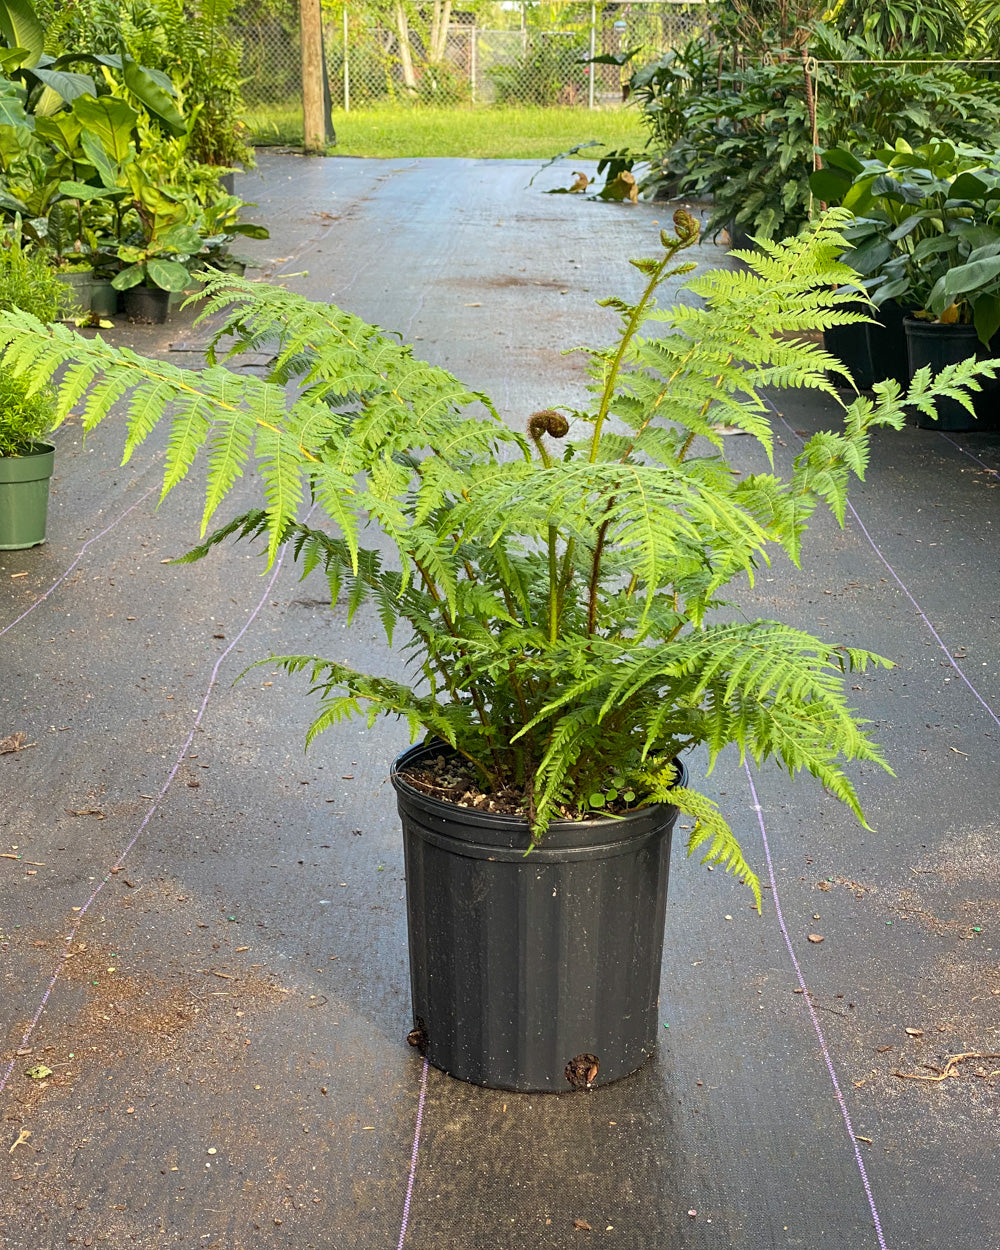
{"x": 84, "y": 191}
{"x": 841, "y": 159}
{"x": 870, "y": 257}
{"x": 830, "y": 184}
{"x": 249, "y": 230}
{"x": 109, "y": 171}
{"x": 12, "y": 112}
{"x": 20, "y": 28}
{"x": 128, "y": 278}
{"x": 61, "y": 133}
{"x": 986, "y": 318}
{"x": 967, "y": 186}
{"x": 151, "y": 88}
{"x": 181, "y": 238}
{"x": 12, "y": 203}
{"x": 108, "y": 120}
{"x": 971, "y": 277}
{"x": 63, "y": 84}
{"x": 159, "y": 102}
{"x": 169, "y": 275}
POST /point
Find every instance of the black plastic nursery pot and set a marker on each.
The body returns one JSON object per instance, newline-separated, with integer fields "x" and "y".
{"x": 24, "y": 497}
{"x": 873, "y": 351}
{"x": 850, "y": 346}
{"x": 145, "y": 303}
{"x": 537, "y": 973}
{"x": 937, "y": 345}
{"x": 887, "y": 344}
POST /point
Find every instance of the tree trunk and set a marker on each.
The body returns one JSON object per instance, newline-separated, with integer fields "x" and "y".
{"x": 405, "y": 51}
{"x": 439, "y": 30}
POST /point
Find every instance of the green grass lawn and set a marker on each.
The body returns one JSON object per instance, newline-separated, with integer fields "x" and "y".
{"x": 526, "y": 133}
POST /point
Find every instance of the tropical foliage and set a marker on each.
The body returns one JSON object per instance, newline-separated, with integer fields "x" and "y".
{"x": 739, "y": 116}
{"x": 561, "y": 596}
{"x": 928, "y": 228}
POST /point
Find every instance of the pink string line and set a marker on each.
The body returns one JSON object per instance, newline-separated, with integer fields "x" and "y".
{"x": 413, "y": 1158}
{"x": 905, "y": 589}
{"x": 812, "y": 1012}
{"x": 965, "y": 452}
{"x": 767, "y": 850}
{"x": 55, "y": 585}
{"x": 145, "y": 820}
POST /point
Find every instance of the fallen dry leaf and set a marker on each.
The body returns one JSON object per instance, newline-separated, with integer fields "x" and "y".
{"x": 22, "y": 1137}
{"x": 815, "y": 937}
{"x": 915, "y": 1032}
{"x": 582, "y": 1224}
{"x": 15, "y": 742}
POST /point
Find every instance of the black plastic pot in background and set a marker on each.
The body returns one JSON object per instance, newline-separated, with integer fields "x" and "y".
{"x": 930, "y": 343}
{"x": 887, "y": 344}
{"x": 145, "y": 303}
{"x": 872, "y": 351}
{"x": 739, "y": 236}
{"x": 850, "y": 346}
{"x": 536, "y": 973}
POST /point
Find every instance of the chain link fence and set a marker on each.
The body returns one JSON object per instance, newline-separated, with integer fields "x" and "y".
{"x": 502, "y": 52}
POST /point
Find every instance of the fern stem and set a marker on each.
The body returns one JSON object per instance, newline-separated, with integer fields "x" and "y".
{"x": 632, "y": 326}
{"x": 473, "y": 689}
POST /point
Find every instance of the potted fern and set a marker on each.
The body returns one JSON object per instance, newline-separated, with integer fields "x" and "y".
{"x": 561, "y": 599}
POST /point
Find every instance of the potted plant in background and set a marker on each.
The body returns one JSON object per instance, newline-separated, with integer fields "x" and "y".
{"x": 560, "y": 597}
{"x": 927, "y": 242}
{"x": 26, "y": 460}
{"x": 156, "y": 257}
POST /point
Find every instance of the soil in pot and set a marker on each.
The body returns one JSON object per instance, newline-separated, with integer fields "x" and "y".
{"x": 148, "y": 304}
{"x": 24, "y": 497}
{"x": 930, "y": 343}
{"x": 536, "y": 973}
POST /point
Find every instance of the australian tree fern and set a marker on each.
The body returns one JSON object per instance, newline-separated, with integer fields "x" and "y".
{"x": 560, "y": 596}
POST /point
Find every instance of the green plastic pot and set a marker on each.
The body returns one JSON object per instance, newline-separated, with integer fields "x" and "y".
{"x": 24, "y": 497}
{"x": 79, "y": 285}
{"x": 103, "y": 298}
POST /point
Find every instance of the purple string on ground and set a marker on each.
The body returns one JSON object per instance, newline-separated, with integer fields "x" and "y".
{"x": 413, "y": 1159}
{"x": 55, "y": 585}
{"x": 965, "y": 452}
{"x": 145, "y": 820}
{"x": 812, "y": 1012}
{"x": 905, "y": 589}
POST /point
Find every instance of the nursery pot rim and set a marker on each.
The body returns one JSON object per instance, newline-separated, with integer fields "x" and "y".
{"x": 506, "y": 837}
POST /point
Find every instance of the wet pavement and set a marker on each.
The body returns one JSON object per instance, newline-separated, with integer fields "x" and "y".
{"x": 203, "y": 930}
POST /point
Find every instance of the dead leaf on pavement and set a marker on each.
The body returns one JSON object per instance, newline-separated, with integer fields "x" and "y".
{"x": 15, "y": 742}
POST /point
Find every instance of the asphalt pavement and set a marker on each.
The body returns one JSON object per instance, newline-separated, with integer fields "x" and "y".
{"x": 202, "y": 927}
